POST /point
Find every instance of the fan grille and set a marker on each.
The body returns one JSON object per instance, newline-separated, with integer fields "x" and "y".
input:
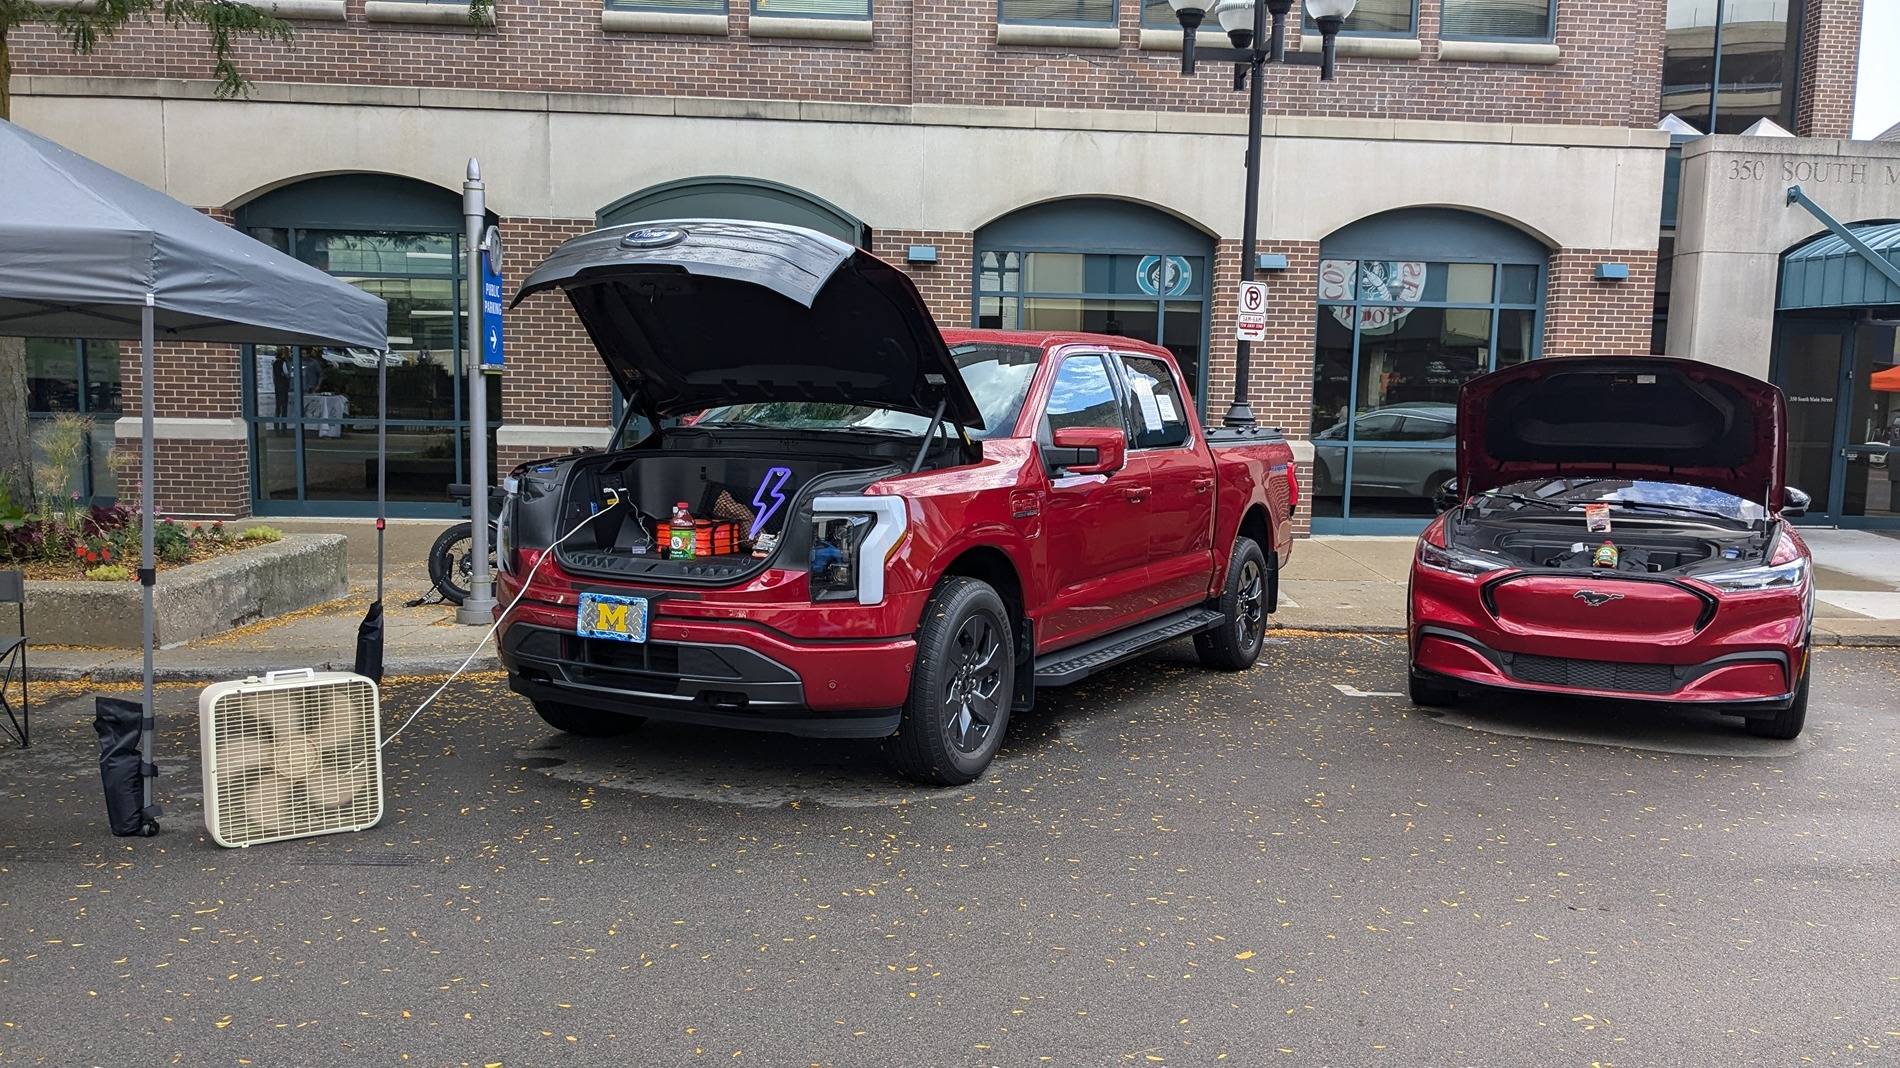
{"x": 289, "y": 761}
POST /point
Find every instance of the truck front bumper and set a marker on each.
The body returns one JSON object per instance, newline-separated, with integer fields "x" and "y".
{"x": 718, "y": 674}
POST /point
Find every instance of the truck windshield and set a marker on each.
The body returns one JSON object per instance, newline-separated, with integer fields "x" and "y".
{"x": 997, "y": 375}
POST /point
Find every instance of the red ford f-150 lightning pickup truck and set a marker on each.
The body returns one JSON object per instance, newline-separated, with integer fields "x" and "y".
{"x": 825, "y": 516}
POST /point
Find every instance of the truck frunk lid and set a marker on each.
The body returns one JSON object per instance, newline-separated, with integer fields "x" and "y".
{"x": 692, "y": 314}
{"x": 1648, "y": 417}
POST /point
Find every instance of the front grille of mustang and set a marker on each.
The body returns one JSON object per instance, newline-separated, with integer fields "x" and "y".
{"x": 1595, "y": 674}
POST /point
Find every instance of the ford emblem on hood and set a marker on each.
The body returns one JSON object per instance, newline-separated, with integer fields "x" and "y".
{"x": 654, "y": 237}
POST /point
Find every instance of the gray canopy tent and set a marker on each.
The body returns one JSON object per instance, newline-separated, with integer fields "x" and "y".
{"x": 87, "y": 252}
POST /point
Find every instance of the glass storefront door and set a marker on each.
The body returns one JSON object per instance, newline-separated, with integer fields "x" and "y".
{"x": 1395, "y": 340}
{"x": 1871, "y": 452}
{"x": 313, "y": 410}
{"x": 1842, "y": 383}
{"x": 1158, "y": 297}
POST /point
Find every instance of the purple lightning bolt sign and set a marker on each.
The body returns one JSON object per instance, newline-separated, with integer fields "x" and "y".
{"x": 770, "y": 498}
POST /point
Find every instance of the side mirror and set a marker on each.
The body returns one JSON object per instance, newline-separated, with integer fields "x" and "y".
{"x": 1794, "y": 503}
{"x": 1447, "y": 496}
{"x": 1088, "y": 450}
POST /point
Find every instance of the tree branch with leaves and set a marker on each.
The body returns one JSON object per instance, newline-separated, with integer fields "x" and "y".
{"x": 84, "y": 26}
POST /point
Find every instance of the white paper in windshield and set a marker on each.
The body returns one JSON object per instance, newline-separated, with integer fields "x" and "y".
{"x": 1166, "y": 404}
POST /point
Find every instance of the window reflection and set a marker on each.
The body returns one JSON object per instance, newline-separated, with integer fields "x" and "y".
{"x": 1395, "y": 339}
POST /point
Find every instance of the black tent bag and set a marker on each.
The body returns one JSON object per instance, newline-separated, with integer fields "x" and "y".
{"x": 369, "y": 644}
{"x": 122, "y": 769}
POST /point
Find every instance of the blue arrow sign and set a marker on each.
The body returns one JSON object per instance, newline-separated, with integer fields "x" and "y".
{"x": 492, "y": 303}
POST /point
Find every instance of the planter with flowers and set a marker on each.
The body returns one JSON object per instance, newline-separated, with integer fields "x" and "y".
{"x": 81, "y": 565}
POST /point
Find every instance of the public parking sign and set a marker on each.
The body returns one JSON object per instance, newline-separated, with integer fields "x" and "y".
{"x": 1251, "y": 323}
{"x": 492, "y": 302}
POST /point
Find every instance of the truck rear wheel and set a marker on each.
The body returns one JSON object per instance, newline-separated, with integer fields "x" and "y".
{"x": 1236, "y": 643}
{"x": 961, "y": 689}
{"x": 586, "y": 722}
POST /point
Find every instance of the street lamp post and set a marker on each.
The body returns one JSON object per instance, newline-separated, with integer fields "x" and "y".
{"x": 1255, "y": 44}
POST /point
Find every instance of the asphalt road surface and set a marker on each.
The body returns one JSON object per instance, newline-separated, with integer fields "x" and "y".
{"x": 1291, "y": 866}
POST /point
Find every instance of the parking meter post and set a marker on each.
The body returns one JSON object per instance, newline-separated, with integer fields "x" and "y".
{"x": 478, "y": 609}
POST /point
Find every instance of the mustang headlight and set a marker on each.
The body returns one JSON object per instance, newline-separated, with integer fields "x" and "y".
{"x": 852, "y": 539}
{"x": 1458, "y": 561}
{"x": 1788, "y": 576}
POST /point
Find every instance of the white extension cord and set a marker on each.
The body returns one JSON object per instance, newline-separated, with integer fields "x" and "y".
{"x": 612, "y": 503}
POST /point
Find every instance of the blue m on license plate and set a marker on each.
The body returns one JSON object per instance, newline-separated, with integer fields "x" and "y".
{"x": 607, "y": 615}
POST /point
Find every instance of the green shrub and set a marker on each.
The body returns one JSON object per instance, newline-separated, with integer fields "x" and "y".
{"x": 108, "y": 573}
{"x": 261, "y": 534}
{"x": 172, "y": 542}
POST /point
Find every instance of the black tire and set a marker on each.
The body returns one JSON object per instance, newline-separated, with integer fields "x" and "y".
{"x": 1428, "y": 694}
{"x": 1236, "y": 643}
{"x": 950, "y": 729}
{"x": 586, "y": 722}
{"x": 1788, "y": 722}
{"x": 450, "y": 560}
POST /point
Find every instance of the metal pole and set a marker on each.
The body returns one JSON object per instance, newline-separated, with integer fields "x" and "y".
{"x": 147, "y": 522}
{"x": 479, "y": 608}
{"x": 1239, "y": 414}
{"x": 382, "y": 462}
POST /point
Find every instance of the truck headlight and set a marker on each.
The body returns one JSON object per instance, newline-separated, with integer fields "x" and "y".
{"x": 504, "y": 529}
{"x": 852, "y": 539}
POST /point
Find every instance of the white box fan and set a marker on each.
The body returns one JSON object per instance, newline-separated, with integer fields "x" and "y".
{"x": 293, "y": 754}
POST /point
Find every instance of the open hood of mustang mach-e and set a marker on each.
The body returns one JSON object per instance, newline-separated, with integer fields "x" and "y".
{"x": 1641, "y": 417}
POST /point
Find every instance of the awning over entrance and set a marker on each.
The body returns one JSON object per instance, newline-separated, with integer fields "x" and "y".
{"x": 1827, "y": 272}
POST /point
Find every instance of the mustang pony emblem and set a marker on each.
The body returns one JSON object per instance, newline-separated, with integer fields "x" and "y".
{"x": 1595, "y": 599}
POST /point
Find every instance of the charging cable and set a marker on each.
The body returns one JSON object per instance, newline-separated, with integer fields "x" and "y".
{"x": 613, "y": 501}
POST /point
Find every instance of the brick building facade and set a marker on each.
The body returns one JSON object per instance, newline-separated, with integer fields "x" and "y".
{"x": 931, "y": 124}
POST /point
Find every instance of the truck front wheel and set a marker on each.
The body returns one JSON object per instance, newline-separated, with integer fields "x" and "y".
{"x": 961, "y": 689}
{"x": 1236, "y": 643}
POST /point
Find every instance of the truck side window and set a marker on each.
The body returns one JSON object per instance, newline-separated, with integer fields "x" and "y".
{"x": 1155, "y": 407}
{"x": 1083, "y": 395}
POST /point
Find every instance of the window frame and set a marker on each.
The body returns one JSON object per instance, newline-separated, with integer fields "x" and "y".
{"x": 1350, "y": 442}
{"x": 1548, "y": 37}
{"x": 1113, "y": 20}
{"x": 636, "y": 7}
{"x": 1021, "y": 293}
{"x": 755, "y": 12}
{"x": 1129, "y": 403}
{"x": 1307, "y": 26}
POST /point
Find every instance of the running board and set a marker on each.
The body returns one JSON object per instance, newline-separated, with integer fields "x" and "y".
{"x": 1067, "y": 666}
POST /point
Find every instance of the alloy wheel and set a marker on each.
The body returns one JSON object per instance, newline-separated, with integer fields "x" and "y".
{"x": 1250, "y": 614}
{"x": 973, "y": 695}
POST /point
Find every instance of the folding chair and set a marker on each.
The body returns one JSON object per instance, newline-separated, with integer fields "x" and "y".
{"x": 13, "y": 656}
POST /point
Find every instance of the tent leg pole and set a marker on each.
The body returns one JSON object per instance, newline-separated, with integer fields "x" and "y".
{"x": 148, "y": 520}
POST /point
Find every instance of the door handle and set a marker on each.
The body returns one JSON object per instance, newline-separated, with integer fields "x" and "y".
{"x": 1203, "y": 485}
{"x": 1135, "y": 494}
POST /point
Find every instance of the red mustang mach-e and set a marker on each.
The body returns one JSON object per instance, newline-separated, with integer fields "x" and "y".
{"x": 1618, "y": 529}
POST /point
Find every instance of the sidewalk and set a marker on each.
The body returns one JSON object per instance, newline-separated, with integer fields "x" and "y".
{"x": 1358, "y": 584}
{"x": 1354, "y": 584}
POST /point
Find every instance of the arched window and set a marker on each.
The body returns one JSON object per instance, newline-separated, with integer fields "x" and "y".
{"x": 1412, "y": 303}
{"x": 312, "y": 411}
{"x": 1100, "y": 265}
{"x": 726, "y": 197}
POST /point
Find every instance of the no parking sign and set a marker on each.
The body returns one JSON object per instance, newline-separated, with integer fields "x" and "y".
{"x": 1251, "y": 323}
